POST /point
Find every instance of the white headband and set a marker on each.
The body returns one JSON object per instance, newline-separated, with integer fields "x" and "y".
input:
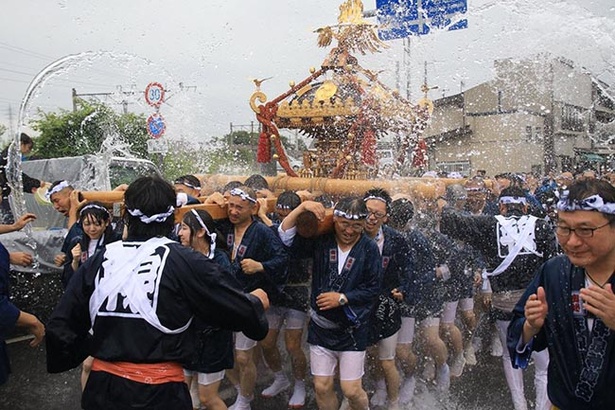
{"x": 154, "y": 218}
{"x": 212, "y": 236}
{"x": 343, "y": 214}
{"x": 592, "y": 203}
{"x": 513, "y": 200}
{"x": 377, "y": 198}
{"x": 57, "y": 189}
{"x": 242, "y": 194}
{"x": 186, "y": 183}
{"x": 93, "y": 206}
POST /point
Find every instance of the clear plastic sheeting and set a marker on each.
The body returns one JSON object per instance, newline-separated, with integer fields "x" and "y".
{"x": 47, "y": 243}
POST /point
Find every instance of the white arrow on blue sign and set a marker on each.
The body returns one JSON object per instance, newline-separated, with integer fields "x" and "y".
{"x": 155, "y": 125}
{"x": 403, "y": 18}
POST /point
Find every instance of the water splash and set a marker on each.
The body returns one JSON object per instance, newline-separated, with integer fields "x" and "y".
{"x": 63, "y": 67}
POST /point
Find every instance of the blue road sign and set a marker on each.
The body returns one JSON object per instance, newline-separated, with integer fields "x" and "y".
{"x": 156, "y": 126}
{"x": 403, "y": 18}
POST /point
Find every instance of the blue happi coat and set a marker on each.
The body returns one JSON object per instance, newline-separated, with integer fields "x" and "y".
{"x": 581, "y": 371}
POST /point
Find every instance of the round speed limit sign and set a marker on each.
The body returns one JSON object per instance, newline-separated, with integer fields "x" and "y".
{"x": 154, "y": 94}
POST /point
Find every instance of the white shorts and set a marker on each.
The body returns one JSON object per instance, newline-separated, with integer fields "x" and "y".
{"x": 242, "y": 342}
{"x": 429, "y": 322}
{"x": 292, "y": 319}
{"x": 205, "y": 379}
{"x": 466, "y": 304}
{"x": 449, "y": 313}
{"x": 324, "y": 361}
{"x": 406, "y": 333}
{"x": 386, "y": 347}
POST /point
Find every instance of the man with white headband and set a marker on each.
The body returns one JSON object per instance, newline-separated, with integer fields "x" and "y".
{"x": 398, "y": 285}
{"x": 514, "y": 245}
{"x": 258, "y": 260}
{"x": 131, "y": 306}
{"x": 189, "y": 185}
{"x": 346, "y": 279}
{"x": 65, "y": 199}
{"x": 569, "y": 307}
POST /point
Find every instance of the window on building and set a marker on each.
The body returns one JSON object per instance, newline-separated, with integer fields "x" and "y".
{"x": 463, "y": 167}
{"x": 528, "y": 133}
{"x": 572, "y": 118}
{"x": 538, "y": 133}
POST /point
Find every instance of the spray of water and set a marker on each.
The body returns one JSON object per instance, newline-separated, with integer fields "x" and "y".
{"x": 112, "y": 146}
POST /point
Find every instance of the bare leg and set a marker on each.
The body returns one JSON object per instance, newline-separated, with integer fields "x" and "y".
{"x": 208, "y": 395}
{"x": 86, "y": 368}
{"x": 325, "y": 395}
{"x": 353, "y": 391}
{"x": 247, "y": 372}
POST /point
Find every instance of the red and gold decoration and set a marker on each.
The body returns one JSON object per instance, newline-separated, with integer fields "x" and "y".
{"x": 344, "y": 107}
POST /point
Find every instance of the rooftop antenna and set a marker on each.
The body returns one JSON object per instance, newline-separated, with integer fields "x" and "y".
{"x": 425, "y": 87}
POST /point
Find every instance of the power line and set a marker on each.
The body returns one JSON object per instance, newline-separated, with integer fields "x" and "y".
{"x": 23, "y": 51}
{"x": 30, "y": 53}
{"x": 13, "y": 80}
{"x": 106, "y": 73}
{"x": 57, "y": 79}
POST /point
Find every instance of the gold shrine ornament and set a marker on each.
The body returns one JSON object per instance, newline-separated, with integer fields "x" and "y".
{"x": 325, "y": 91}
{"x": 426, "y": 103}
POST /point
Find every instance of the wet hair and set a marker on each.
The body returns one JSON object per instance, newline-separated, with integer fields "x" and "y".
{"x": 352, "y": 205}
{"x": 25, "y": 139}
{"x": 96, "y": 209}
{"x": 248, "y": 191}
{"x": 325, "y": 200}
{"x": 547, "y": 198}
{"x": 151, "y": 195}
{"x": 402, "y": 212}
{"x": 99, "y": 213}
{"x": 231, "y": 185}
{"x": 288, "y": 200}
{"x": 256, "y": 182}
{"x": 195, "y": 226}
{"x": 189, "y": 180}
{"x": 504, "y": 175}
{"x": 584, "y": 188}
{"x": 379, "y": 193}
{"x": 514, "y": 209}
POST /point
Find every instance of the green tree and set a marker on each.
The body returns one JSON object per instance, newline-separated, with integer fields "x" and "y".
{"x": 70, "y": 133}
{"x": 230, "y": 154}
{"x": 2, "y": 129}
{"x": 236, "y": 152}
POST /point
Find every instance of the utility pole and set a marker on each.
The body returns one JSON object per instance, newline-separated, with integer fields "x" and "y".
{"x": 125, "y": 101}
{"x": 11, "y": 129}
{"x": 407, "y": 66}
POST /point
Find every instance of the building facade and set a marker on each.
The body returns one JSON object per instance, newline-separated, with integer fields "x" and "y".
{"x": 537, "y": 115}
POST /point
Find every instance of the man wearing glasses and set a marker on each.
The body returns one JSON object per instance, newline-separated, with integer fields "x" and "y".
{"x": 397, "y": 281}
{"x": 569, "y": 307}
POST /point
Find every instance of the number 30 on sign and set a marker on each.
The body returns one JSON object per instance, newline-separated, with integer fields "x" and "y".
{"x": 154, "y": 94}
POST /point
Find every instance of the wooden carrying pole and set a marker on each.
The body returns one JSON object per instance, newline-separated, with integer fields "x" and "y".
{"x": 421, "y": 187}
{"x": 307, "y": 224}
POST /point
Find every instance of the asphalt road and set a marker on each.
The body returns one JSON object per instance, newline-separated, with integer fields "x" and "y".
{"x": 30, "y": 387}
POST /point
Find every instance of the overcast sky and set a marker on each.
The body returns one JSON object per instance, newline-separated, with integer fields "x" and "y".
{"x": 214, "y": 47}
